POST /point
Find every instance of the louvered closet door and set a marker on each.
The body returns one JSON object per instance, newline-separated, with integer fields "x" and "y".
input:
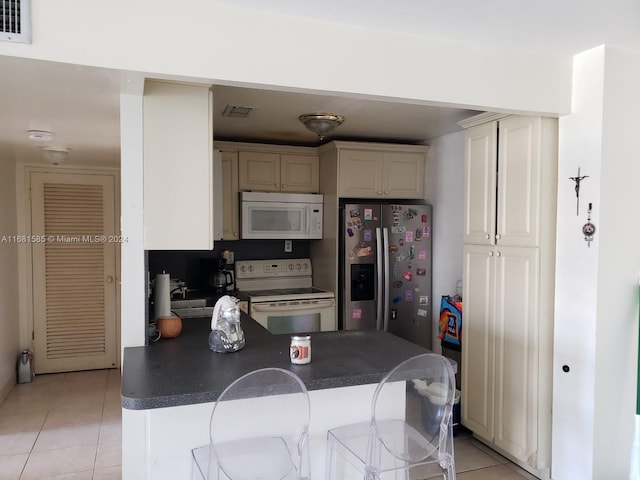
{"x": 74, "y": 287}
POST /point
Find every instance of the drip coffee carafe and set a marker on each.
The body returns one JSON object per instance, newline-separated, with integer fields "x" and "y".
{"x": 221, "y": 280}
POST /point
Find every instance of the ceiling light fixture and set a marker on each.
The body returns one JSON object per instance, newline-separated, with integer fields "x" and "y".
{"x": 40, "y": 135}
{"x": 55, "y": 155}
{"x": 321, "y": 123}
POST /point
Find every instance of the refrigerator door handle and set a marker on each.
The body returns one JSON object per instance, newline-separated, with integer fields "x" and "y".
{"x": 379, "y": 279}
{"x": 386, "y": 293}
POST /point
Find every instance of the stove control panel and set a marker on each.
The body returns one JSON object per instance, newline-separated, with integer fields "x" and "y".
{"x": 273, "y": 268}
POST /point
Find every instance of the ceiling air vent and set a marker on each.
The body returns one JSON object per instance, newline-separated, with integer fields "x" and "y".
{"x": 15, "y": 21}
{"x": 237, "y": 111}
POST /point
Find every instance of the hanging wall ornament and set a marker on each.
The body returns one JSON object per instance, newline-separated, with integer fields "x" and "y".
{"x": 578, "y": 179}
{"x": 589, "y": 229}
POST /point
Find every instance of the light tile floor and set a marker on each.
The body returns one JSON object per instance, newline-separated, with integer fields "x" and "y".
{"x": 65, "y": 426}
{"x": 476, "y": 461}
{"x": 68, "y": 426}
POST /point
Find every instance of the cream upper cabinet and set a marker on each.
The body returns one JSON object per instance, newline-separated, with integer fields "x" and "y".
{"x": 508, "y": 276}
{"x": 380, "y": 170}
{"x": 480, "y": 176}
{"x": 299, "y": 173}
{"x": 503, "y": 181}
{"x": 230, "y": 211}
{"x": 272, "y": 171}
{"x": 178, "y": 179}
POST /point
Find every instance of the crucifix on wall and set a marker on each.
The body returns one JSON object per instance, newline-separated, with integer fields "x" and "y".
{"x": 578, "y": 179}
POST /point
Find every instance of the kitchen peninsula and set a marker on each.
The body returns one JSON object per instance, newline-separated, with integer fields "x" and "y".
{"x": 169, "y": 389}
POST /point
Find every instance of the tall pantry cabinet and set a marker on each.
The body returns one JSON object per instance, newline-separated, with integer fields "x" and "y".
{"x": 508, "y": 277}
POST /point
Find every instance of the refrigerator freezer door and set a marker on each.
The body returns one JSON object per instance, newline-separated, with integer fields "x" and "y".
{"x": 360, "y": 271}
{"x": 409, "y": 250}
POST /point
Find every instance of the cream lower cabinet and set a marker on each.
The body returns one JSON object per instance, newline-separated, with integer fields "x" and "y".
{"x": 278, "y": 172}
{"x": 500, "y": 365}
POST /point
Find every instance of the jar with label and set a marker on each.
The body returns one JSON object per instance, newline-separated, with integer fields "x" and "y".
{"x": 300, "y": 350}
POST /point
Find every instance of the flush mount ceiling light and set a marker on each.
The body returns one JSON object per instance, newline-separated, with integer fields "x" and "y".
{"x": 321, "y": 123}
{"x": 55, "y": 155}
{"x": 40, "y": 135}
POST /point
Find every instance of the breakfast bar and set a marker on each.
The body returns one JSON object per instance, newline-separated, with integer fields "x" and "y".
{"x": 169, "y": 389}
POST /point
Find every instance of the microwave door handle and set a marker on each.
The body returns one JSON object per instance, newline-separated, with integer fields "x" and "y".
{"x": 379, "y": 279}
{"x": 307, "y": 211}
{"x": 291, "y": 308}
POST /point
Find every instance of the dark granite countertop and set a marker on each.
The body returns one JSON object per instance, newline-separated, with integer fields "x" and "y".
{"x": 183, "y": 371}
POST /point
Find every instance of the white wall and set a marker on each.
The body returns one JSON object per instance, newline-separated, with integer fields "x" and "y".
{"x": 445, "y": 191}
{"x": 596, "y": 312}
{"x": 9, "y": 325}
{"x": 232, "y": 45}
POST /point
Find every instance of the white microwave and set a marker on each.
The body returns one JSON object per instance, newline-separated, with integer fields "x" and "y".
{"x": 280, "y": 215}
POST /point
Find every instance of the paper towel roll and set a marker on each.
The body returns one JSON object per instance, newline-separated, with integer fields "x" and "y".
{"x": 163, "y": 295}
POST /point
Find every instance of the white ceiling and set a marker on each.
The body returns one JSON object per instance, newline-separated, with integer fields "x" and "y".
{"x": 80, "y": 105}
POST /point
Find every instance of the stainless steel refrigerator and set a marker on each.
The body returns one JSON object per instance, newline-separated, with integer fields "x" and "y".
{"x": 386, "y": 269}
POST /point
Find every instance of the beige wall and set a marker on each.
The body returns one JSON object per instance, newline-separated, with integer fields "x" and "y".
{"x": 9, "y": 323}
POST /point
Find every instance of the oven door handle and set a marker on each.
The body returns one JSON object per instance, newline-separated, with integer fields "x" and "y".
{"x": 291, "y": 308}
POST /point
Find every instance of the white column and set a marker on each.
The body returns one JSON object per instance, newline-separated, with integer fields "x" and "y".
{"x": 133, "y": 272}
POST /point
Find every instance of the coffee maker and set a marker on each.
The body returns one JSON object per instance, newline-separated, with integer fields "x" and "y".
{"x": 218, "y": 276}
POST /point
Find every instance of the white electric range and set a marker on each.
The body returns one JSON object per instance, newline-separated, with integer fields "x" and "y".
{"x": 280, "y": 296}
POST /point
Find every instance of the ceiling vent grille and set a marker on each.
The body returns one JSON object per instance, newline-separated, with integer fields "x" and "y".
{"x": 15, "y": 21}
{"x": 237, "y": 111}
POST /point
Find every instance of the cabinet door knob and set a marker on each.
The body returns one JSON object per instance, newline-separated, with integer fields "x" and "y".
{"x": 498, "y": 254}
{"x": 488, "y": 236}
{"x": 386, "y": 192}
{"x": 276, "y": 185}
{"x": 379, "y": 192}
{"x": 491, "y": 254}
{"x": 498, "y": 236}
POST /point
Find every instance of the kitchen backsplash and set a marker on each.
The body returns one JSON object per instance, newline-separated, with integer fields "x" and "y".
{"x": 185, "y": 264}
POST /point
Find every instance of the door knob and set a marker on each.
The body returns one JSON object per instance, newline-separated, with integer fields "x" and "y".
{"x": 109, "y": 279}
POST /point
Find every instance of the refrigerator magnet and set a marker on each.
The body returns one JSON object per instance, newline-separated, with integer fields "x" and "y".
{"x": 421, "y": 271}
{"x": 368, "y": 214}
{"x": 397, "y": 299}
{"x": 418, "y": 234}
{"x": 424, "y": 218}
{"x": 407, "y": 276}
{"x": 424, "y": 300}
{"x": 354, "y": 212}
{"x": 426, "y": 232}
{"x": 422, "y": 312}
{"x": 350, "y": 232}
{"x": 410, "y": 213}
{"x": 408, "y": 296}
{"x": 367, "y": 235}
{"x": 398, "y": 229}
{"x": 408, "y": 236}
{"x": 396, "y": 284}
{"x": 356, "y": 313}
{"x": 422, "y": 255}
